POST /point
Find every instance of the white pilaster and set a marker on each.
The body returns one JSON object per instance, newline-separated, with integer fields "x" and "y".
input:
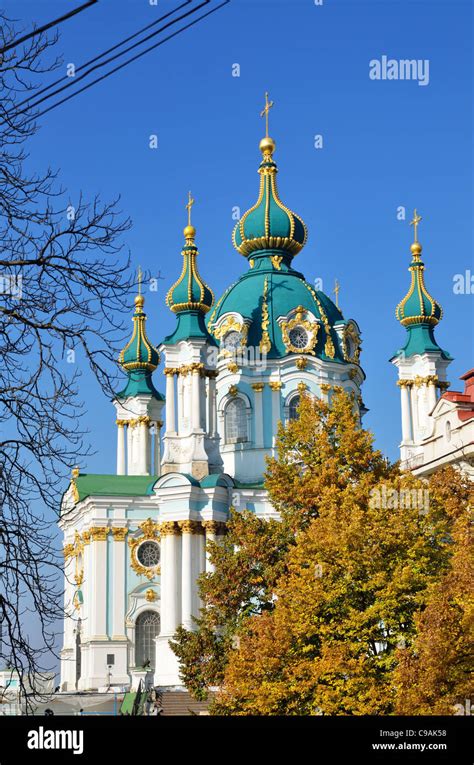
{"x": 98, "y": 555}
{"x": 170, "y": 403}
{"x": 258, "y": 392}
{"x": 276, "y": 407}
{"x": 407, "y": 432}
{"x": 187, "y": 573}
{"x": 196, "y": 399}
{"x": 118, "y": 579}
{"x": 121, "y": 469}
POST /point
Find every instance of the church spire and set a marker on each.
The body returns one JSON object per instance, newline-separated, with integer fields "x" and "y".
{"x": 139, "y": 358}
{"x": 419, "y": 312}
{"x": 189, "y": 293}
{"x": 269, "y": 224}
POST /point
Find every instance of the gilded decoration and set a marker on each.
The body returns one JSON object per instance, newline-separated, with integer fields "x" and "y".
{"x": 231, "y": 324}
{"x": 350, "y": 336}
{"x": 167, "y": 528}
{"x": 233, "y": 390}
{"x": 301, "y": 363}
{"x": 150, "y": 532}
{"x": 119, "y": 533}
{"x": 265, "y": 342}
{"x": 233, "y": 367}
{"x": 276, "y": 385}
{"x": 276, "y": 261}
{"x": 329, "y": 349}
{"x": 191, "y": 527}
{"x": 214, "y": 527}
{"x": 99, "y": 533}
{"x": 310, "y": 327}
{"x": 150, "y": 595}
{"x": 258, "y": 386}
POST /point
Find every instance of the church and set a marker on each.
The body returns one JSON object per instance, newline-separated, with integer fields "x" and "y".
{"x": 193, "y": 445}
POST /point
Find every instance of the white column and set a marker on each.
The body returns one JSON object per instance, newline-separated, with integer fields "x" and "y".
{"x": 98, "y": 612}
{"x": 211, "y": 405}
{"x": 258, "y": 388}
{"x": 170, "y": 577}
{"x": 129, "y": 449}
{"x": 431, "y": 394}
{"x": 87, "y": 587}
{"x": 196, "y": 400}
{"x": 157, "y": 449}
{"x": 118, "y": 579}
{"x": 120, "y": 447}
{"x": 211, "y": 532}
{"x": 414, "y": 411}
{"x": 143, "y": 446}
{"x": 407, "y": 434}
{"x": 186, "y": 573}
{"x": 170, "y": 407}
{"x": 276, "y": 408}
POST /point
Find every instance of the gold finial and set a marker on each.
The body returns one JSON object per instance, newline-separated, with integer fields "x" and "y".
{"x": 75, "y": 472}
{"x": 416, "y": 220}
{"x": 416, "y": 246}
{"x": 139, "y": 299}
{"x": 189, "y": 231}
{"x": 265, "y": 110}
{"x": 337, "y": 287}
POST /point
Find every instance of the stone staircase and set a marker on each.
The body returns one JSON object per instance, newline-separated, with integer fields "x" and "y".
{"x": 182, "y": 703}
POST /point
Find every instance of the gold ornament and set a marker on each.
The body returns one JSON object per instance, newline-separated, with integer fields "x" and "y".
{"x": 311, "y": 328}
{"x": 276, "y": 385}
{"x": 265, "y": 342}
{"x": 150, "y": 532}
{"x": 258, "y": 387}
{"x": 150, "y": 595}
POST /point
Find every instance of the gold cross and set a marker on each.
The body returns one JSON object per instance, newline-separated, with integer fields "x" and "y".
{"x": 188, "y": 207}
{"x": 337, "y": 287}
{"x": 414, "y": 223}
{"x": 139, "y": 277}
{"x": 265, "y": 110}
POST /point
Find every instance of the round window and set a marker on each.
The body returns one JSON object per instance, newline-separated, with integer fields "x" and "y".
{"x": 232, "y": 340}
{"x": 298, "y": 337}
{"x": 148, "y": 554}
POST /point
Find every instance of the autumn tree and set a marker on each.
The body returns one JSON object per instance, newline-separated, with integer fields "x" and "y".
{"x": 358, "y": 548}
{"x": 434, "y": 673}
{"x": 320, "y": 455}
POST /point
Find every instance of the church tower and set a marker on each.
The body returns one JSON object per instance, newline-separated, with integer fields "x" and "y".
{"x": 279, "y": 335}
{"x": 191, "y": 442}
{"x": 421, "y": 363}
{"x": 139, "y": 404}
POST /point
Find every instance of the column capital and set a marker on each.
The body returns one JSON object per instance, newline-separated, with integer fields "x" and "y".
{"x": 168, "y": 528}
{"x": 171, "y": 371}
{"x": 258, "y": 386}
{"x": 276, "y": 385}
{"x": 121, "y": 423}
{"x": 191, "y": 527}
{"x": 99, "y": 533}
{"x": 119, "y": 533}
{"x": 214, "y": 527}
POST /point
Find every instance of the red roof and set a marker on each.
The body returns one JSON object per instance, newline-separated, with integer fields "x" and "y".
{"x": 466, "y": 399}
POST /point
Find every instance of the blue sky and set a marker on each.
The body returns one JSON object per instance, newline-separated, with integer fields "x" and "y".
{"x": 385, "y": 144}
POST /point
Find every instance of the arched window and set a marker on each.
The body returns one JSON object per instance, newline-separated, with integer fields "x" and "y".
{"x": 235, "y": 422}
{"x": 147, "y": 627}
{"x": 293, "y": 413}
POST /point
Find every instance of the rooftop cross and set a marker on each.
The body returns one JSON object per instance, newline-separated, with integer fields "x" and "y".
{"x": 264, "y": 112}
{"x": 416, "y": 219}
{"x": 139, "y": 278}
{"x": 337, "y": 287}
{"x": 189, "y": 206}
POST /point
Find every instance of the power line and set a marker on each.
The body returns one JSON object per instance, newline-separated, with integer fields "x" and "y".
{"x": 74, "y": 80}
{"x": 47, "y": 26}
{"x": 104, "y": 53}
{"x": 129, "y": 61}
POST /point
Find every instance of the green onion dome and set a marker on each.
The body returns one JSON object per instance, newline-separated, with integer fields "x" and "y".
{"x": 269, "y": 224}
{"x": 139, "y": 353}
{"x": 418, "y": 307}
{"x": 139, "y": 358}
{"x": 189, "y": 293}
{"x": 419, "y": 312}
